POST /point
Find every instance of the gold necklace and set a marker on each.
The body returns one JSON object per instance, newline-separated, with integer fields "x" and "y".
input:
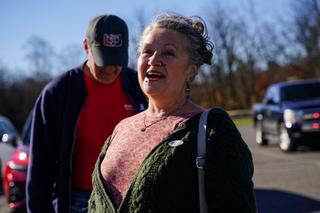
{"x": 143, "y": 129}
{"x": 152, "y": 123}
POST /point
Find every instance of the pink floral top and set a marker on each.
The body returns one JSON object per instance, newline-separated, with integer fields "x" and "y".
{"x": 130, "y": 146}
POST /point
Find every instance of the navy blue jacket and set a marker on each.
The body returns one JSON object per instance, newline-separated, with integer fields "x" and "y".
{"x": 53, "y": 135}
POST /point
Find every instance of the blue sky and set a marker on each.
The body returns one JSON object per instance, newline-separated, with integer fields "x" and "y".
{"x": 63, "y": 22}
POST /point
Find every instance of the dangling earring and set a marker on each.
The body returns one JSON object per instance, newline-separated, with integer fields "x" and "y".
{"x": 188, "y": 91}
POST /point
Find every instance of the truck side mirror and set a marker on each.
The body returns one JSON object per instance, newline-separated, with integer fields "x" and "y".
{"x": 270, "y": 101}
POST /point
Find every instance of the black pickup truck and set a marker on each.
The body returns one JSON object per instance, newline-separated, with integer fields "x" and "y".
{"x": 289, "y": 115}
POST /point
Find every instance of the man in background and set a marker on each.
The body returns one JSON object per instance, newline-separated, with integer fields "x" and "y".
{"x": 74, "y": 115}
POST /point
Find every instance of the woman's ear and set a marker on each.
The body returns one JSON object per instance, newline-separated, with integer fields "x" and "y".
{"x": 192, "y": 72}
{"x": 86, "y": 45}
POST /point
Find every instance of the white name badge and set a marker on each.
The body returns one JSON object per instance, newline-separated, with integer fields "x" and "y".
{"x": 176, "y": 143}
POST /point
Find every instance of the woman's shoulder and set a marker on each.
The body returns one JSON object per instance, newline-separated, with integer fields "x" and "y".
{"x": 130, "y": 120}
{"x": 135, "y": 117}
{"x": 218, "y": 115}
{"x": 218, "y": 111}
{"x": 221, "y": 122}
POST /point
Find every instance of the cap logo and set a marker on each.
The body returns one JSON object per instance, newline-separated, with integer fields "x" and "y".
{"x": 112, "y": 40}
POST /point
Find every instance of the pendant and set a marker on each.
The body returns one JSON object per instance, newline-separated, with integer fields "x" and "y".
{"x": 143, "y": 129}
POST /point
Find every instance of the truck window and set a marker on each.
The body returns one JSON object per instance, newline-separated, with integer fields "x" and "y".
{"x": 300, "y": 92}
{"x": 272, "y": 95}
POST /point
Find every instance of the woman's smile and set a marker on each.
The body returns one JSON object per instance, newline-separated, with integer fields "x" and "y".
{"x": 154, "y": 76}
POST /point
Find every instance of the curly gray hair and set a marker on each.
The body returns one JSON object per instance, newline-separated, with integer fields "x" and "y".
{"x": 194, "y": 28}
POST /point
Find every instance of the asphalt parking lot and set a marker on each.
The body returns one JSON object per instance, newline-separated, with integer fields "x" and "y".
{"x": 284, "y": 182}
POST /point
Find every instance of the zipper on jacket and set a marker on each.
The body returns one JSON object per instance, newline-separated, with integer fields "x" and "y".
{"x": 74, "y": 141}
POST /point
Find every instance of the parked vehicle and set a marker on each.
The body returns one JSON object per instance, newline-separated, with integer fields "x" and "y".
{"x": 9, "y": 139}
{"x": 15, "y": 173}
{"x": 8, "y": 133}
{"x": 289, "y": 114}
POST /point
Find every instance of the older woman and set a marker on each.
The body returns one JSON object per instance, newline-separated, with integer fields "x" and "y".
{"x": 148, "y": 164}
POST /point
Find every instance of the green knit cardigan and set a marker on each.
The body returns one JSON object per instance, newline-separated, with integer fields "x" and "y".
{"x": 167, "y": 180}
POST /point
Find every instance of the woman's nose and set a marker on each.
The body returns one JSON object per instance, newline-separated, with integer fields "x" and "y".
{"x": 155, "y": 60}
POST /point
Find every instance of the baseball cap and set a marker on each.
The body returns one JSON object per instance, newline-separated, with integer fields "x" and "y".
{"x": 108, "y": 40}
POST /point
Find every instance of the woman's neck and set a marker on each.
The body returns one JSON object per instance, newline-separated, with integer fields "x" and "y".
{"x": 159, "y": 109}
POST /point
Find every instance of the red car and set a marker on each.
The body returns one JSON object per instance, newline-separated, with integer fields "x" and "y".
{"x": 15, "y": 173}
{"x": 14, "y": 178}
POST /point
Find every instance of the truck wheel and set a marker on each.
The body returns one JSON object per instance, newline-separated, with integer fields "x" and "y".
{"x": 286, "y": 144}
{"x": 260, "y": 135}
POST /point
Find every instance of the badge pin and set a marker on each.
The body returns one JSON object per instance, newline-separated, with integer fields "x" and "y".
{"x": 128, "y": 107}
{"x": 176, "y": 143}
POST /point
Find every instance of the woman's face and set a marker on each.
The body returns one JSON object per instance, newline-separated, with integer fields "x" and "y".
{"x": 163, "y": 64}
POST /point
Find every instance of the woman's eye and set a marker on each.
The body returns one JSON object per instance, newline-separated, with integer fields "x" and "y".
{"x": 168, "y": 53}
{"x": 147, "y": 51}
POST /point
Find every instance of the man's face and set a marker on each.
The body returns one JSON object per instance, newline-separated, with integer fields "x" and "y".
{"x": 104, "y": 75}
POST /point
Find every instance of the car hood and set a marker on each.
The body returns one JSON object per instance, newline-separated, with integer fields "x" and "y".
{"x": 305, "y": 104}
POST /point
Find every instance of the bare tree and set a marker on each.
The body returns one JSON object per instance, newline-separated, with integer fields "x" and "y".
{"x": 3, "y": 71}
{"x": 307, "y": 35}
{"x": 40, "y": 55}
{"x": 69, "y": 57}
{"x": 135, "y": 33}
{"x": 19, "y": 105}
{"x": 226, "y": 32}
{"x": 245, "y": 45}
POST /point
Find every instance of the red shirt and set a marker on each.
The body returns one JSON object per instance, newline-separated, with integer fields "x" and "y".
{"x": 105, "y": 106}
